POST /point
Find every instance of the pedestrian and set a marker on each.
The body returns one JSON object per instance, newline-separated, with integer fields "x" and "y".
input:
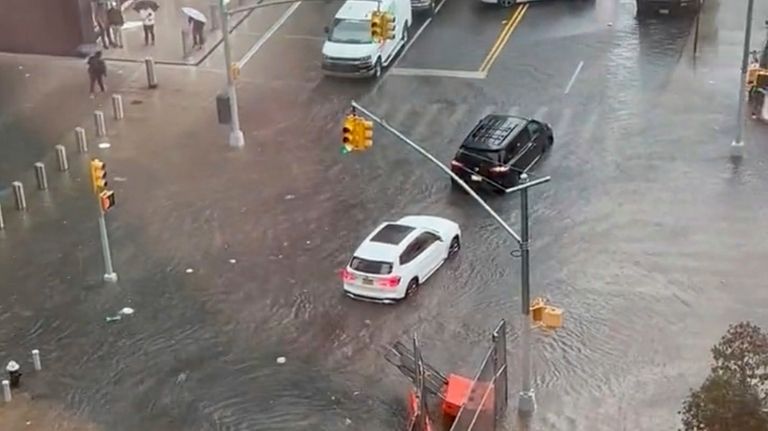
{"x": 100, "y": 18}
{"x": 198, "y": 35}
{"x": 148, "y": 15}
{"x": 116, "y": 21}
{"x": 97, "y": 71}
{"x": 14, "y": 373}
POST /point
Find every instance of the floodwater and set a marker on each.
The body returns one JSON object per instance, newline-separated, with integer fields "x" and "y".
{"x": 648, "y": 235}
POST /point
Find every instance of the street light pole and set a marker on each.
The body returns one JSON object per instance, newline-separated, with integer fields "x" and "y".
{"x": 236, "y": 137}
{"x": 526, "y": 400}
{"x": 738, "y": 143}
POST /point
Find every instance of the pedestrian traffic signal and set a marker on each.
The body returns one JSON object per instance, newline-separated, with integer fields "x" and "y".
{"x": 349, "y": 133}
{"x": 387, "y": 23}
{"x": 366, "y": 133}
{"x": 376, "y": 26}
{"x": 98, "y": 176}
{"x": 107, "y": 200}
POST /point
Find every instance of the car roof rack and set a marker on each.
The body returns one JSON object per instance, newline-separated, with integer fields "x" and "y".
{"x": 494, "y": 130}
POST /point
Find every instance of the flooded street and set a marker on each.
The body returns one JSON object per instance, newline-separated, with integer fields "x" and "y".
{"x": 649, "y": 236}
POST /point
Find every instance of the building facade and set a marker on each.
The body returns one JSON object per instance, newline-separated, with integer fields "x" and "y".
{"x": 51, "y": 27}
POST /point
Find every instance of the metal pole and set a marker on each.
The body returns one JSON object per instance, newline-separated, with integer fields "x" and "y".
{"x": 61, "y": 156}
{"x": 109, "y": 273}
{"x": 738, "y": 143}
{"x": 117, "y": 107}
{"x": 526, "y": 403}
{"x": 185, "y": 42}
{"x": 82, "y": 141}
{"x": 101, "y": 126}
{"x": 18, "y": 194}
{"x": 2, "y": 222}
{"x": 36, "y": 360}
{"x": 696, "y": 32}
{"x": 236, "y": 137}
{"x": 42, "y": 179}
{"x": 149, "y": 63}
{"x": 7, "y": 391}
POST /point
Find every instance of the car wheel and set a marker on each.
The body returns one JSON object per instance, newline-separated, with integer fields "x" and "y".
{"x": 411, "y": 289}
{"x": 377, "y": 68}
{"x": 455, "y": 246}
{"x": 548, "y": 145}
{"x": 406, "y": 33}
{"x": 507, "y": 3}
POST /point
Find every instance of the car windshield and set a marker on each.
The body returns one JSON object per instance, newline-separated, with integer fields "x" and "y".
{"x": 370, "y": 266}
{"x": 350, "y": 31}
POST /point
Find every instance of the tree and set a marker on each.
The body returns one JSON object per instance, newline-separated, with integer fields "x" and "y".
{"x": 734, "y": 397}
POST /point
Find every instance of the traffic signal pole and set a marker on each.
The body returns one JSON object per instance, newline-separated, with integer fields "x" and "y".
{"x": 526, "y": 400}
{"x": 109, "y": 273}
{"x": 236, "y": 137}
{"x": 738, "y": 142}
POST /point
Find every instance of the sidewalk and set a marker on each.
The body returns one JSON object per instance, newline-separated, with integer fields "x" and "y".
{"x": 173, "y": 39}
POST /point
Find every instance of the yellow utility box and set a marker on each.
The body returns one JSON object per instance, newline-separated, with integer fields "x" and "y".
{"x": 552, "y": 317}
{"x": 537, "y": 310}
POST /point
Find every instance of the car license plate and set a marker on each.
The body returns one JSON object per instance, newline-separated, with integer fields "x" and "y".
{"x": 476, "y": 178}
{"x": 368, "y": 281}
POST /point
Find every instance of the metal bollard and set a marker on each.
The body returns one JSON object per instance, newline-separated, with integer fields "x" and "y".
{"x": 36, "y": 360}
{"x": 82, "y": 141}
{"x": 61, "y": 156}
{"x": 101, "y": 126}
{"x": 6, "y": 391}
{"x": 117, "y": 106}
{"x": 185, "y": 49}
{"x": 42, "y": 179}
{"x": 18, "y": 194}
{"x": 2, "y": 222}
{"x": 214, "y": 13}
{"x": 151, "y": 78}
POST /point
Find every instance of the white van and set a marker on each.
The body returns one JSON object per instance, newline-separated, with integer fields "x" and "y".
{"x": 349, "y": 49}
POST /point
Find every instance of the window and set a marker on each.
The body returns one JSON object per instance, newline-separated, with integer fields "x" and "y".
{"x": 411, "y": 252}
{"x": 350, "y": 31}
{"x": 522, "y": 138}
{"x": 429, "y": 239}
{"x": 370, "y": 266}
{"x": 392, "y": 234}
{"x": 534, "y": 128}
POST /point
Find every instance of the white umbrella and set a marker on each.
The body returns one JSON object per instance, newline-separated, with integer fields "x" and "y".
{"x": 194, "y": 14}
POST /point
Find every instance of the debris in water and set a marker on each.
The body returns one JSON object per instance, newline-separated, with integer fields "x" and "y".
{"x": 182, "y": 378}
{"x": 289, "y": 197}
{"x": 111, "y": 319}
{"x": 232, "y": 260}
{"x": 126, "y": 311}
{"x": 281, "y": 360}
{"x": 120, "y": 179}
{"x": 347, "y": 421}
{"x": 189, "y": 270}
{"x": 105, "y": 145}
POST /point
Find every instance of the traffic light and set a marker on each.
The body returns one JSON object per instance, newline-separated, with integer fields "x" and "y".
{"x": 107, "y": 200}
{"x": 387, "y": 22}
{"x": 349, "y": 133}
{"x": 376, "y": 26}
{"x": 366, "y": 134}
{"x": 98, "y": 176}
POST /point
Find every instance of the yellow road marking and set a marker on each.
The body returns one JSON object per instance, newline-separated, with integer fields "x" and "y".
{"x": 506, "y": 32}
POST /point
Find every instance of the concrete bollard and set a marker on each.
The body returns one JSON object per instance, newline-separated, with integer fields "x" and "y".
{"x": 151, "y": 78}
{"x": 61, "y": 156}
{"x": 42, "y": 179}
{"x": 36, "y": 360}
{"x": 185, "y": 39}
{"x": 214, "y": 14}
{"x": 101, "y": 126}
{"x": 2, "y": 222}
{"x": 117, "y": 107}
{"x": 18, "y": 195}
{"x": 82, "y": 141}
{"x": 6, "y": 391}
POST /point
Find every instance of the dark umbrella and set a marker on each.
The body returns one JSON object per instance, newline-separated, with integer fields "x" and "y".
{"x": 145, "y": 4}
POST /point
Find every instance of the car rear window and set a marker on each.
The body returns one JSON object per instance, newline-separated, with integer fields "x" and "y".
{"x": 370, "y": 266}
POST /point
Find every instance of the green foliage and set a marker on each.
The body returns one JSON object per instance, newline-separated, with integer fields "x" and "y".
{"x": 734, "y": 397}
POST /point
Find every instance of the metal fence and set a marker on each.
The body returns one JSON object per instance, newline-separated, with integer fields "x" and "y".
{"x": 487, "y": 400}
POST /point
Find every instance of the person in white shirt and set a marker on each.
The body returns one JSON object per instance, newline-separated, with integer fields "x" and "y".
{"x": 148, "y": 15}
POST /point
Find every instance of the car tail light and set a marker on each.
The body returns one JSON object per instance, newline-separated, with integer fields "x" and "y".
{"x": 389, "y": 282}
{"x": 499, "y": 169}
{"x": 346, "y": 276}
{"x": 456, "y": 163}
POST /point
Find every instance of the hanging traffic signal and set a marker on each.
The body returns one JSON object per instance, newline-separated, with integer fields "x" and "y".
{"x": 349, "y": 133}
{"x": 387, "y": 22}
{"x": 98, "y": 176}
{"x": 376, "y": 26}
{"x": 366, "y": 134}
{"x": 107, "y": 200}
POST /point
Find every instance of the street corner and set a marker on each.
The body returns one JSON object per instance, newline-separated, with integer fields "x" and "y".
{"x": 473, "y": 33}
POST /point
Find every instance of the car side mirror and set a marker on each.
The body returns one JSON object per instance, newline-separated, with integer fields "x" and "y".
{"x": 326, "y": 29}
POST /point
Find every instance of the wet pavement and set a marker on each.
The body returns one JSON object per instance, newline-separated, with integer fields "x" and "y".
{"x": 649, "y": 236}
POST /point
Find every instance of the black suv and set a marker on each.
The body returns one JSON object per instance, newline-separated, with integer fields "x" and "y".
{"x": 500, "y": 148}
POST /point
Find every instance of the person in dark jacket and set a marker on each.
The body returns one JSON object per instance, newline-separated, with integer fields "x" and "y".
{"x": 198, "y": 36}
{"x": 116, "y": 21}
{"x": 97, "y": 71}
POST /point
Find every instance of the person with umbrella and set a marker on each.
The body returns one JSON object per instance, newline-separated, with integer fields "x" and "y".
{"x": 197, "y": 21}
{"x": 147, "y": 9}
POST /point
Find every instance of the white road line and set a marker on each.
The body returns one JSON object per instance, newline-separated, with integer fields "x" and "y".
{"x": 564, "y": 122}
{"x": 514, "y": 110}
{"x": 426, "y": 120}
{"x": 540, "y": 113}
{"x": 490, "y": 109}
{"x": 276, "y": 26}
{"x": 466, "y": 74}
{"x": 458, "y": 113}
{"x": 573, "y": 77}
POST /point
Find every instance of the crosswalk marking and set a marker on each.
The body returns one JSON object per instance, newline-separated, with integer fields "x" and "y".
{"x": 458, "y": 114}
{"x": 514, "y": 111}
{"x": 425, "y": 119}
{"x": 540, "y": 113}
{"x": 564, "y": 122}
{"x": 465, "y": 74}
